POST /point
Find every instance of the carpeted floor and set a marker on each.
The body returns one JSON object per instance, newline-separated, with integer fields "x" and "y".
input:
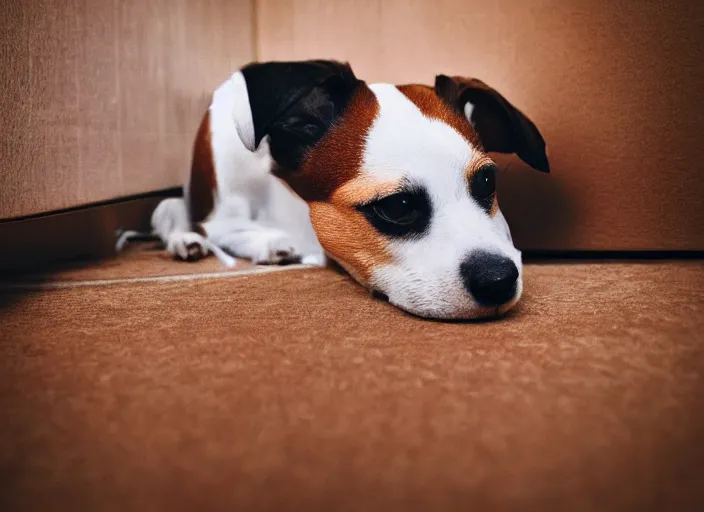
{"x": 294, "y": 390}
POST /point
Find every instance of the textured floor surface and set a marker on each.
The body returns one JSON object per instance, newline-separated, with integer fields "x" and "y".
{"x": 294, "y": 390}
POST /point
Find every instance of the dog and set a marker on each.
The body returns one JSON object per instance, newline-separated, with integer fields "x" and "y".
{"x": 301, "y": 161}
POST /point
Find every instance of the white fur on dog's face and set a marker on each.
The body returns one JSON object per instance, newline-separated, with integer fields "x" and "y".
{"x": 421, "y": 274}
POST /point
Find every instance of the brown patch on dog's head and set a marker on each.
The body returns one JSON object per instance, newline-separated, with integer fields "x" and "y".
{"x": 431, "y": 105}
{"x": 203, "y": 184}
{"x": 349, "y": 239}
{"x": 363, "y": 189}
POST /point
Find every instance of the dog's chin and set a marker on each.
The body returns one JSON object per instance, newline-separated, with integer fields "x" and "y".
{"x": 479, "y": 313}
{"x": 476, "y": 312}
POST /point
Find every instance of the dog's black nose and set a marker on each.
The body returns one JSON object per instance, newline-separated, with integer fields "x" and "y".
{"x": 490, "y": 278}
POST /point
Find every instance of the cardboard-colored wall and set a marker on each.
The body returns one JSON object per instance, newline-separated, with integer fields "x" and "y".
{"x": 101, "y": 98}
{"x": 617, "y": 88}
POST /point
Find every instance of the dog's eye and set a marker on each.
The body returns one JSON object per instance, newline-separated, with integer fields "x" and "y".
{"x": 402, "y": 214}
{"x": 398, "y": 209}
{"x": 483, "y": 186}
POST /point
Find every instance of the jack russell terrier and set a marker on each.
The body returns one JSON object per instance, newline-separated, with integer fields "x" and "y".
{"x": 296, "y": 161}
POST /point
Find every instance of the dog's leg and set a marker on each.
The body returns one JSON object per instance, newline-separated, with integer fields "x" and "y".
{"x": 252, "y": 240}
{"x": 170, "y": 223}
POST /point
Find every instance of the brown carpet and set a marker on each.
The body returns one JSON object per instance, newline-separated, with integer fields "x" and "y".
{"x": 295, "y": 390}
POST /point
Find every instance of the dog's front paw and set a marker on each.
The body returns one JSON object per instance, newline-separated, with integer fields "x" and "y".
{"x": 276, "y": 248}
{"x": 187, "y": 246}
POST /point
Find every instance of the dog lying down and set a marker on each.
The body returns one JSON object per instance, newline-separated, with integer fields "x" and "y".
{"x": 299, "y": 161}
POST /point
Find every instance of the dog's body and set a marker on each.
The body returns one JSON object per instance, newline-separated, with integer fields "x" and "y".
{"x": 232, "y": 199}
{"x": 296, "y": 161}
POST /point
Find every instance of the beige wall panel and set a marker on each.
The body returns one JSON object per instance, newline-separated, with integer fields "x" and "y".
{"x": 101, "y": 98}
{"x": 615, "y": 87}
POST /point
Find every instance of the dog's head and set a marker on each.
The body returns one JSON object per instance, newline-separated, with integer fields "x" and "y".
{"x": 400, "y": 187}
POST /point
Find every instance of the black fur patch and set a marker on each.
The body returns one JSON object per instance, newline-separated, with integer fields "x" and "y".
{"x": 501, "y": 127}
{"x": 295, "y": 103}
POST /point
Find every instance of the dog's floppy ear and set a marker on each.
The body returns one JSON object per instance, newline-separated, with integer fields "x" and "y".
{"x": 295, "y": 103}
{"x": 501, "y": 127}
